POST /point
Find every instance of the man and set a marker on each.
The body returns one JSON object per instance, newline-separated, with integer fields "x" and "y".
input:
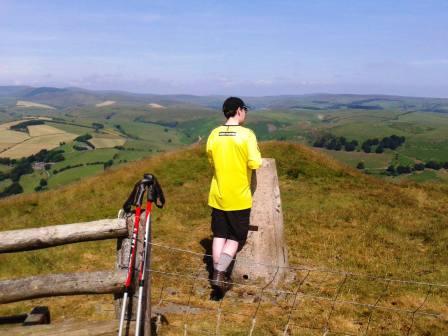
{"x": 233, "y": 153}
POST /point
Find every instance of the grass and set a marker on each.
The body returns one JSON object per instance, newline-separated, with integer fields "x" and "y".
{"x": 362, "y": 131}
{"x": 426, "y": 150}
{"x": 335, "y": 217}
{"x": 73, "y": 157}
{"x": 5, "y": 183}
{"x": 151, "y": 132}
{"x": 4, "y": 168}
{"x": 425, "y": 176}
{"x": 75, "y": 174}
{"x": 31, "y": 181}
{"x": 371, "y": 160}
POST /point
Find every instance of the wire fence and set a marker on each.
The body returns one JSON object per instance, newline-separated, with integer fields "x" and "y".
{"x": 307, "y": 301}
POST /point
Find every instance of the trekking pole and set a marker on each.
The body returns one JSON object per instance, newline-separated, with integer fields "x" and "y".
{"x": 141, "y": 277}
{"x": 154, "y": 194}
{"x": 136, "y": 198}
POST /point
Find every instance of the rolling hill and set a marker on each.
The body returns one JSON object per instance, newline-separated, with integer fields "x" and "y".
{"x": 71, "y": 96}
{"x": 133, "y": 126}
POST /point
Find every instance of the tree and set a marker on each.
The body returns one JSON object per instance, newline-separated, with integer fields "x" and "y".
{"x": 366, "y": 147}
{"x": 108, "y": 164}
{"x": 43, "y": 183}
{"x": 349, "y": 147}
{"x": 332, "y": 144}
{"x": 83, "y": 138}
{"x": 97, "y": 126}
{"x": 319, "y": 143}
{"x": 379, "y": 149}
{"x": 13, "y": 189}
{"x": 391, "y": 170}
{"x": 58, "y": 157}
{"x": 22, "y": 168}
{"x": 419, "y": 166}
{"x": 433, "y": 165}
{"x": 403, "y": 170}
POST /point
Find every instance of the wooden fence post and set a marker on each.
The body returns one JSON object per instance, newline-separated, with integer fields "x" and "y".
{"x": 123, "y": 252}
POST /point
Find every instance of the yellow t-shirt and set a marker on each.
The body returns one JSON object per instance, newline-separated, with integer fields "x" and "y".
{"x": 233, "y": 152}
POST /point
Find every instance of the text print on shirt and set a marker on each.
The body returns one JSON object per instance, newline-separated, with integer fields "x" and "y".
{"x": 227, "y": 133}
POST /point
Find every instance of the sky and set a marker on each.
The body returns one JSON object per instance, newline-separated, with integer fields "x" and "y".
{"x": 227, "y": 47}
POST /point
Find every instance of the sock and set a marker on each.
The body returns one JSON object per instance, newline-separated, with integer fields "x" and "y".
{"x": 215, "y": 265}
{"x": 224, "y": 262}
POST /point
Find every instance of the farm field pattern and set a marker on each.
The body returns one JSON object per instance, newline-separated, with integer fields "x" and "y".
{"x": 39, "y": 137}
{"x": 131, "y": 130}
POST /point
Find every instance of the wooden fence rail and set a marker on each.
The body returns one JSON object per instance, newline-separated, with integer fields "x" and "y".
{"x": 78, "y": 283}
{"x": 38, "y": 238}
{"x": 61, "y": 284}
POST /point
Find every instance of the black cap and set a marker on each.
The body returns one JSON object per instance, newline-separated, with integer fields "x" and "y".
{"x": 232, "y": 104}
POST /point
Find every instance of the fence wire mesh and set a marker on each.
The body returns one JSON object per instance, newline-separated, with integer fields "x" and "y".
{"x": 307, "y": 301}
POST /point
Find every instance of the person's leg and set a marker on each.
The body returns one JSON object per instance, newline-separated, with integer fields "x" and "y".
{"x": 228, "y": 253}
{"x": 230, "y": 247}
{"x": 220, "y": 231}
{"x": 217, "y": 248}
{"x": 238, "y": 228}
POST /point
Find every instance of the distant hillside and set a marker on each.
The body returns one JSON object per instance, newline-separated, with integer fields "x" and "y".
{"x": 69, "y": 97}
{"x": 146, "y": 123}
{"x": 335, "y": 217}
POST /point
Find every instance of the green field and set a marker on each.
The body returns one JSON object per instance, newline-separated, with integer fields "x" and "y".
{"x": 5, "y": 183}
{"x": 74, "y": 174}
{"x": 31, "y": 181}
{"x": 371, "y": 160}
{"x": 147, "y": 130}
{"x": 73, "y": 157}
{"x": 4, "y": 168}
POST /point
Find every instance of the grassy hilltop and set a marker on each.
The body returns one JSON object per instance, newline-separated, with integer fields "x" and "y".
{"x": 335, "y": 217}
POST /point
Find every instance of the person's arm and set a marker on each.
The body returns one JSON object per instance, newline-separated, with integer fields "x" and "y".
{"x": 254, "y": 155}
{"x": 208, "y": 150}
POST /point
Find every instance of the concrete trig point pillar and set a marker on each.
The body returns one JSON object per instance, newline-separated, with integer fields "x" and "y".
{"x": 265, "y": 248}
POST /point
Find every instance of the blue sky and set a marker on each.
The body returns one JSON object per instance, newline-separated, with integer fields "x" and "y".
{"x": 228, "y": 47}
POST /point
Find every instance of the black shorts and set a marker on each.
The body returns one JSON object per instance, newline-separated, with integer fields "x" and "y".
{"x": 232, "y": 225}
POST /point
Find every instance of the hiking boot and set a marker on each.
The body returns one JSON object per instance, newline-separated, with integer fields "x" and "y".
{"x": 223, "y": 282}
{"x": 217, "y": 277}
{"x": 227, "y": 284}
